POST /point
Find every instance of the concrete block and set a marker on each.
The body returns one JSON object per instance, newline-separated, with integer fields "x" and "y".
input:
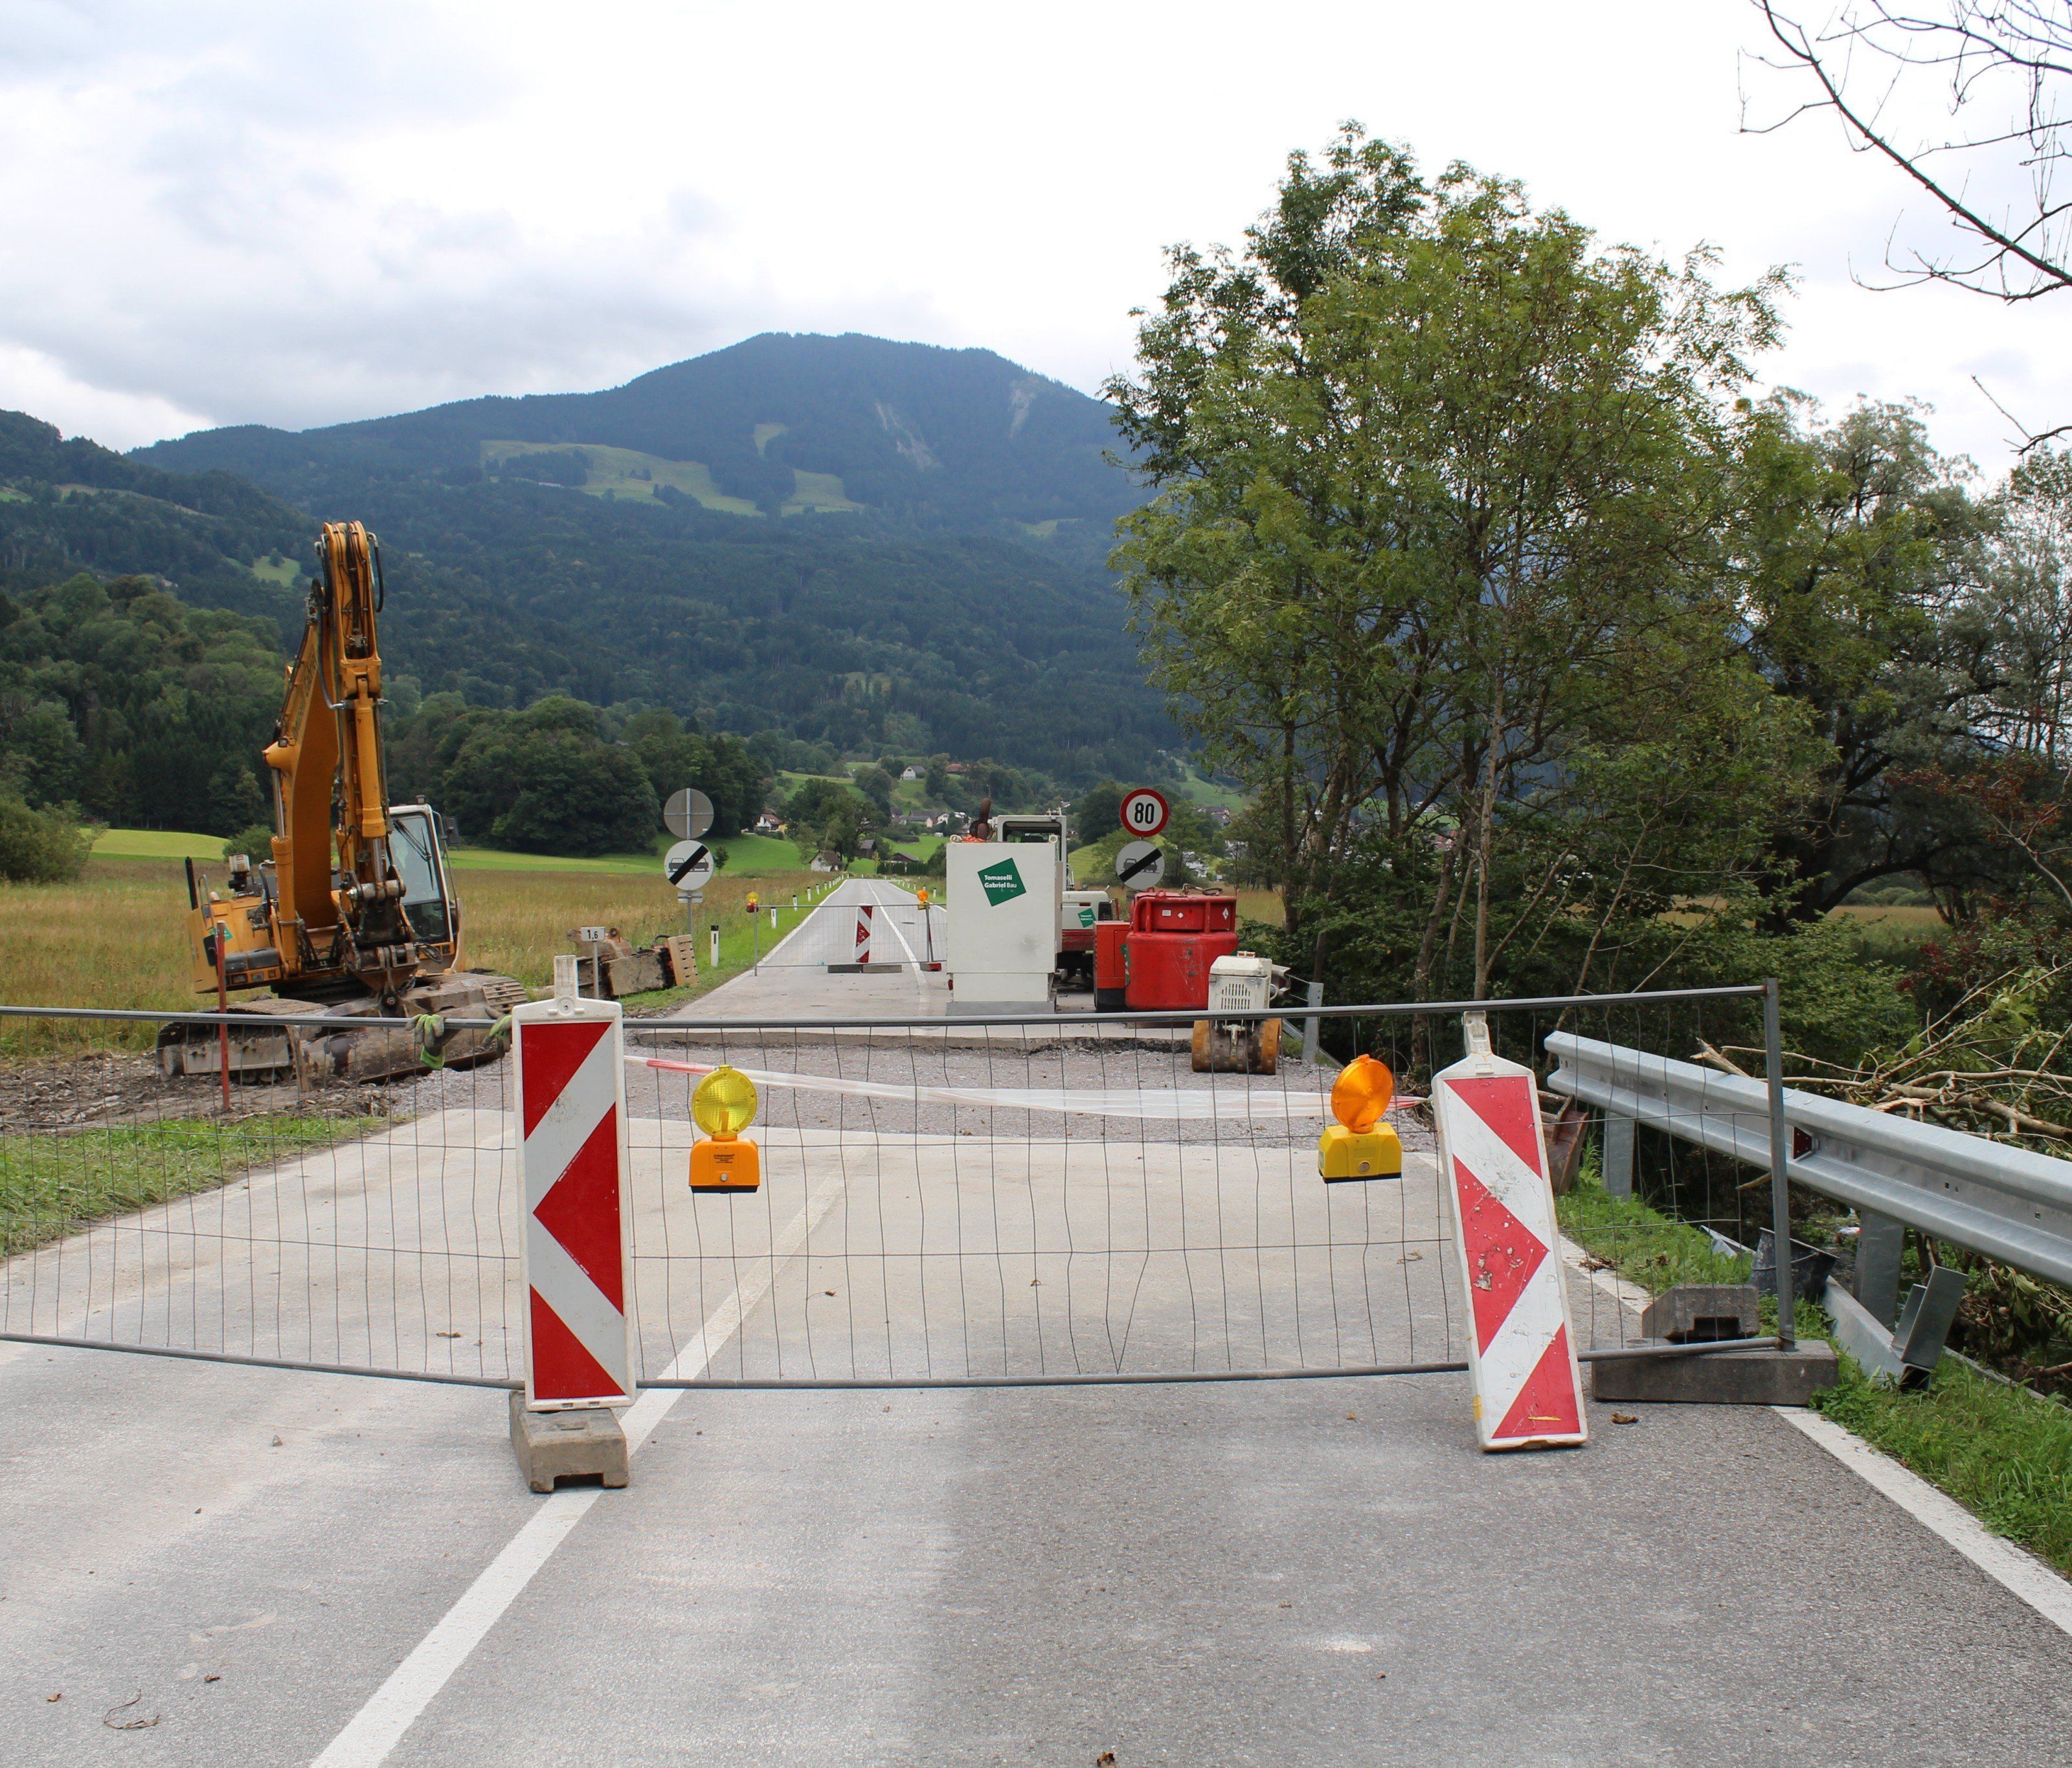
{"x": 1701, "y": 1313}
{"x": 1719, "y": 1378}
{"x": 585, "y": 1443}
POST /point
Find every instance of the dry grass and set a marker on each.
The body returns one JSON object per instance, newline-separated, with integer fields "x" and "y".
{"x": 1262, "y": 905}
{"x": 114, "y": 939}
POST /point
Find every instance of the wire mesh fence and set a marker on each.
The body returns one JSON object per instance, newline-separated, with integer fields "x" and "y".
{"x": 1055, "y": 1199}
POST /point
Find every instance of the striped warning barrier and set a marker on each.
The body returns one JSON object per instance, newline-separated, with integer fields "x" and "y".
{"x": 1522, "y": 1355}
{"x": 570, "y": 1061}
{"x": 864, "y": 912}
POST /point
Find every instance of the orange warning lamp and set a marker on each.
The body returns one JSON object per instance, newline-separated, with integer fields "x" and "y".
{"x": 1359, "y": 1146}
{"x": 723, "y": 1106}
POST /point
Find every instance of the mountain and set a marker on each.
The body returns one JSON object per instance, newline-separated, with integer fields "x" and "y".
{"x": 845, "y": 539}
{"x": 779, "y": 423}
{"x": 71, "y": 506}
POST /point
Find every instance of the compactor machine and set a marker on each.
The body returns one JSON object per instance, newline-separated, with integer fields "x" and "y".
{"x": 353, "y": 915}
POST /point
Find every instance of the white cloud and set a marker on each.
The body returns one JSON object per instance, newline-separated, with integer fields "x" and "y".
{"x": 230, "y": 212}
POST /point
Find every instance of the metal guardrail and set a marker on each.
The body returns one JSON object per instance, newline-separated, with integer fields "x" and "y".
{"x": 2009, "y": 1203}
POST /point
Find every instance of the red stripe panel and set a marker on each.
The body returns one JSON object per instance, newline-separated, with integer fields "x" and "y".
{"x": 1506, "y": 1103}
{"x": 1502, "y": 1253}
{"x": 551, "y": 1053}
{"x": 580, "y": 1209}
{"x": 562, "y": 1368}
{"x": 1547, "y": 1405}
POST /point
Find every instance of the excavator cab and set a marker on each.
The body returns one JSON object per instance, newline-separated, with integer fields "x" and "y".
{"x": 420, "y": 859}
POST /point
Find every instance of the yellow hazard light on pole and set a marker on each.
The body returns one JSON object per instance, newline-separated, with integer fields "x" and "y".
{"x": 1359, "y": 1145}
{"x": 753, "y": 903}
{"x": 723, "y": 1106}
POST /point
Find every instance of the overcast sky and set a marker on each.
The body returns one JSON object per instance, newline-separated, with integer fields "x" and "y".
{"x": 219, "y": 211}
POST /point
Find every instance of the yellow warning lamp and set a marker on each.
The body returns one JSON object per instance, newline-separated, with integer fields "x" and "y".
{"x": 751, "y": 910}
{"x": 723, "y": 1106}
{"x": 921, "y": 895}
{"x": 1359, "y": 1145}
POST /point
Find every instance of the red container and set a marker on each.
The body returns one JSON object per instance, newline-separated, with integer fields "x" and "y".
{"x": 1110, "y": 977}
{"x": 1174, "y": 936}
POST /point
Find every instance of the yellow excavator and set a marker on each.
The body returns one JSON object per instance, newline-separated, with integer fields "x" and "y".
{"x": 353, "y": 915}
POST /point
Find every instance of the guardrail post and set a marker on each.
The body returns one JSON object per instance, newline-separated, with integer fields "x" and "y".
{"x": 1309, "y": 1025}
{"x": 1617, "y": 1154}
{"x": 1780, "y": 1157}
{"x": 1879, "y": 1240}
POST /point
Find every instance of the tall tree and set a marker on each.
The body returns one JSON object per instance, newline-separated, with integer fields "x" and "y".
{"x": 1442, "y": 485}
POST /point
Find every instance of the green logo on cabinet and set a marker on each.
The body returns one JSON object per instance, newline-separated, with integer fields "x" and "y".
{"x": 1002, "y": 883}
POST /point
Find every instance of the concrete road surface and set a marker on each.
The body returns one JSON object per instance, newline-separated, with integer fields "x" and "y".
{"x": 208, "y": 1564}
{"x": 1316, "y": 1572}
{"x": 791, "y": 981}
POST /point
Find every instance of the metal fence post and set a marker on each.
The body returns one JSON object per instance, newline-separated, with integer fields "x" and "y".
{"x": 1780, "y": 1157}
{"x": 1309, "y": 1025}
{"x": 1617, "y": 1154}
{"x": 1880, "y": 1241}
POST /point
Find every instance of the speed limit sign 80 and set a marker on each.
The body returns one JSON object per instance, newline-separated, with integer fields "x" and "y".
{"x": 1145, "y": 811}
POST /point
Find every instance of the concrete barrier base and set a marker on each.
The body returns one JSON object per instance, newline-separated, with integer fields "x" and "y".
{"x": 586, "y": 1444}
{"x": 1720, "y": 1377}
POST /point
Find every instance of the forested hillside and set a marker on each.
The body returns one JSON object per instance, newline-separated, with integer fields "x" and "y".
{"x": 955, "y": 438}
{"x": 67, "y": 507}
{"x": 845, "y": 539}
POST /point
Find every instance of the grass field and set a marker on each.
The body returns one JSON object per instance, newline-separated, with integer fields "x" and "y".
{"x": 627, "y": 473}
{"x": 746, "y": 855}
{"x": 115, "y": 938}
{"x": 1206, "y": 792}
{"x": 622, "y": 473}
{"x": 49, "y": 1184}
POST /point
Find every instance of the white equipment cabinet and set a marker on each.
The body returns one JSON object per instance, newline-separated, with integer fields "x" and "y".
{"x": 1002, "y": 900}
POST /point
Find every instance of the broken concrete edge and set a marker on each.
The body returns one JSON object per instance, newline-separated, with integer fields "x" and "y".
{"x": 577, "y": 1443}
{"x": 1767, "y": 1377}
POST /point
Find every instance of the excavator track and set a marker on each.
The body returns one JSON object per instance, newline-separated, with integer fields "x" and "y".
{"x": 346, "y": 1052}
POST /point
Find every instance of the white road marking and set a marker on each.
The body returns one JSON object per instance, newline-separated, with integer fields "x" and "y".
{"x": 378, "y": 1726}
{"x": 1942, "y": 1516}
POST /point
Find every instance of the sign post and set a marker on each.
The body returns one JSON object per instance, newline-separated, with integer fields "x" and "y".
{"x": 689, "y": 813}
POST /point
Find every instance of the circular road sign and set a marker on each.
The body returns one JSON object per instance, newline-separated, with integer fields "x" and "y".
{"x": 1139, "y": 866}
{"x": 688, "y": 865}
{"x": 1145, "y": 811}
{"x": 689, "y": 813}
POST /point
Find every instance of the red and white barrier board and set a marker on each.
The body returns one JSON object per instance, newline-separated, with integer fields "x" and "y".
{"x": 577, "y": 1259}
{"x": 863, "y": 918}
{"x": 1522, "y": 1355}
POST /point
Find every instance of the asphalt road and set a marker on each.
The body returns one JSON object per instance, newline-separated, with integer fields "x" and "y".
{"x": 1313, "y": 1571}
{"x": 1179, "y": 1575}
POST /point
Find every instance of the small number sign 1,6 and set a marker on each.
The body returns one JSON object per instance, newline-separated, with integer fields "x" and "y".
{"x": 1145, "y": 811}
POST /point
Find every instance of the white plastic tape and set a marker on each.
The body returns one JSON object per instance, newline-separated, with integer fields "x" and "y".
{"x": 1188, "y": 1104}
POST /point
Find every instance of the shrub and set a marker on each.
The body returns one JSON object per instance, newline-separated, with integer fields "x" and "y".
{"x": 255, "y": 841}
{"x": 41, "y": 846}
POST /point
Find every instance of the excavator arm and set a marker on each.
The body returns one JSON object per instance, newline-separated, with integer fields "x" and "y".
{"x": 330, "y": 794}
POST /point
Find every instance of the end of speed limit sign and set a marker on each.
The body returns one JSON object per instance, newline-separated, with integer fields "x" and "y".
{"x": 1145, "y": 811}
